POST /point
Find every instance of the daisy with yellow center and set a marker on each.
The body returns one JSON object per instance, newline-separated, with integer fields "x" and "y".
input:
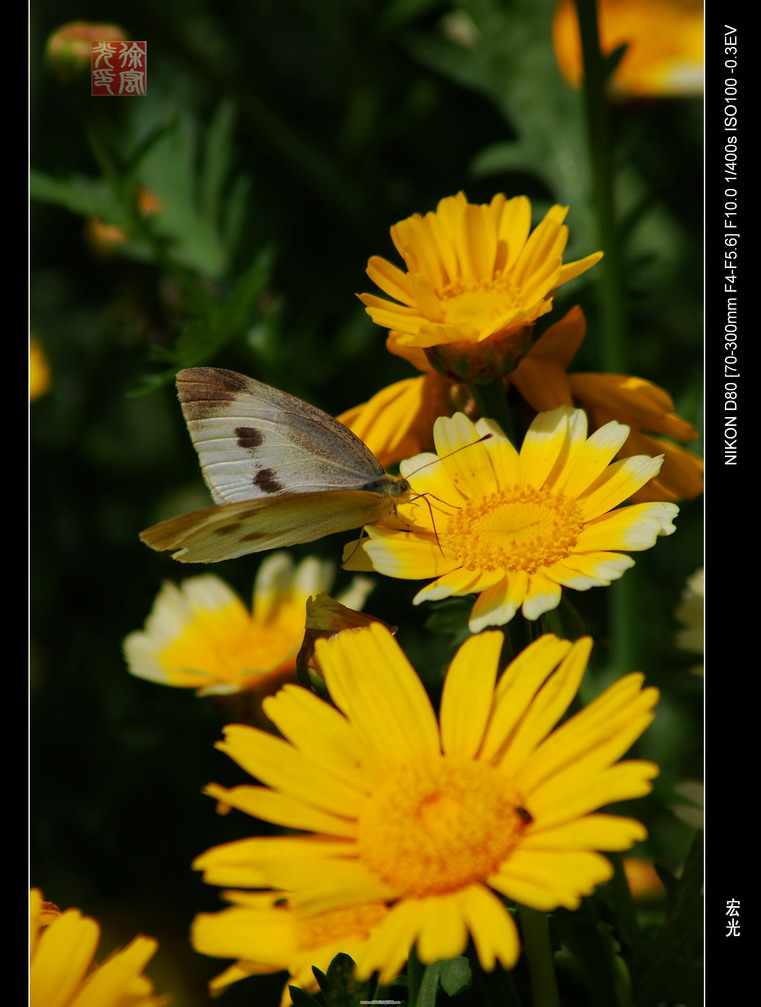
{"x": 515, "y": 528}
{"x": 267, "y": 935}
{"x": 475, "y": 273}
{"x": 200, "y": 635}
{"x": 437, "y": 819}
{"x": 62, "y": 972}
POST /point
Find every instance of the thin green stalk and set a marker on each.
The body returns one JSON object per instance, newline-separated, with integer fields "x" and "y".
{"x": 612, "y": 348}
{"x": 541, "y": 966}
{"x": 491, "y": 399}
{"x": 415, "y": 971}
{"x": 619, "y": 896}
{"x": 610, "y": 271}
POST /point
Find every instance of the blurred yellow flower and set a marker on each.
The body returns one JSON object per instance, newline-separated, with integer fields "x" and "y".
{"x": 267, "y": 935}
{"x": 517, "y": 528}
{"x": 690, "y": 612}
{"x": 62, "y": 971}
{"x": 432, "y": 817}
{"x": 643, "y": 881}
{"x": 200, "y": 635}
{"x": 664, "y": 40}
{"x": 541, "y": 379}
{"x": 477, "y": 278}
{"x": 39, "y": 371}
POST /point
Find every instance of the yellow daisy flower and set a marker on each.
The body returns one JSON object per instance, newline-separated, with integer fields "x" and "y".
{"x": 435, "y": 817}
{"x": 398, "y": 421}
{"x": 267, "y": 935}
{"x": 476, "y": 275}
{"x": 201, "y": 636}
{"x": 39, "y": 371}
{"x": 517, "y": 528}
{"x": 664, "y": 40}
{"x": 62, "y": 972}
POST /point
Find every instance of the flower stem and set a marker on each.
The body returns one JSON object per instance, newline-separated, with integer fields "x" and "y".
{"x": 536, "y": 942}
{"x": 612, "y": 354}
{"x": 610, "y": 272}
{"x": 620, "y": 898}
{"x": 491, "y": 400}
{"x": 414, "y": 977}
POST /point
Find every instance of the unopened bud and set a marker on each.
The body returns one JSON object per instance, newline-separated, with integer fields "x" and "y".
{"x": 326, "y": 618}
{"x": 69, "y": 47}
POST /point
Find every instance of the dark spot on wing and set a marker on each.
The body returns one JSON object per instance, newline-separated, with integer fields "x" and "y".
{"x": 248, "y": 437}
{"x": 266, "y": 481}
{"x": 526, "y": 816}
{"x": 253, "y": 536}
{"x": 226, "y": 529}
{"x": 203, "y": 389}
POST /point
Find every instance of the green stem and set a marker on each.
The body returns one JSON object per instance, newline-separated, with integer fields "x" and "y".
{"x": 610, "y": 278}
{"x": 491, "y": 400}
{"x": 620, "y": 898}
{"x": 609, "y": 272}
{"x": 414, "y": 977}
{"x": 536, "y": 943}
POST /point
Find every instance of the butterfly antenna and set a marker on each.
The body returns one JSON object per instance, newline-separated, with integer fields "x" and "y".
{"x": 456, "y": 450}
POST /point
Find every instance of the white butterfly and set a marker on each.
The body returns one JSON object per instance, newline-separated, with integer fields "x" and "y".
{"x": 280, "y": 471}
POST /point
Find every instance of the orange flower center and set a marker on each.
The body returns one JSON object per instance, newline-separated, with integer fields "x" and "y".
{"x": 518, "y": 528}
{"x": 439, "y": 826}
{"x": 478, "y": 302}
{"x": 354, "y": 923}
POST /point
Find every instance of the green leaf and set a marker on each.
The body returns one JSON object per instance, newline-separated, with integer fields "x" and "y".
{"x": 670, "y": 968}
{"x": 301, "y": 999}
{"x": 339, "y": 985}
{"x": 591, "y": 943}
{"x": 88, "y": 197}
{"x": 455, "y": 975}
{"x": 449, "y": 617}
{"x": 512, "y": 63}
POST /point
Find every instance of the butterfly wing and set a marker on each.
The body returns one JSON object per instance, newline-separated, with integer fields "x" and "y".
{"x": 254, "y": 441}
{"x": 236, "y": 529}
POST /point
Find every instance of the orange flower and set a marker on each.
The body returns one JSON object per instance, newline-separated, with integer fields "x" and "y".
{"x": 543, "y": 381}
{"x": 398, "y": 421}
{"x": 477, "y": 279}
{"x": 663, "y": 39}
